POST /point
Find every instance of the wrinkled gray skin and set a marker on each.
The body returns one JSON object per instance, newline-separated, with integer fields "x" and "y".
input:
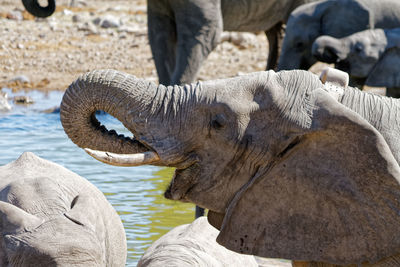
{"x": 372, "y": 56}
{"x": 33, "y": 7}
{"x": 183, "y": 32}
{"x": 290, "y": 171}
{"x": 336, "y": 18}
{"x": 195, "y": 245}
{"x": 50, "y": 216}
{"x": 192, "y": 245}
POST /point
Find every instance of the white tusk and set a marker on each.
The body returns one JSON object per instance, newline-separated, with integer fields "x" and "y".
{"x": 125, "y": 160}
{"x": 335, "y": 76}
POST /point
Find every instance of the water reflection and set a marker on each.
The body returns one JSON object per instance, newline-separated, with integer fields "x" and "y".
{"x": 136, "y": 193}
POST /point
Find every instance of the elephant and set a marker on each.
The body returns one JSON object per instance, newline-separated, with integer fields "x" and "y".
{"x": 182, "y": 33}
{"x": 50, "y": 216}
{"x": 336, "y": 18}
{"x": 372, "y": 56}
{"x": 195, "y": 245}
{"x": 288, "y": 165}
{"x": 33, "y": 7}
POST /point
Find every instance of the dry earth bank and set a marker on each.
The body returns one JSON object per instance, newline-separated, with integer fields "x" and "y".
{"x": 50, "y": 53}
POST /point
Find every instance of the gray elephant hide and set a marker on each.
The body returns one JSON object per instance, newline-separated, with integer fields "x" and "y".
{"x": 195, "y": 245}
{"x": 51, "y": 216}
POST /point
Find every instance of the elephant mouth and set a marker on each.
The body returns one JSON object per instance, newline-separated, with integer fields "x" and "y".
{"x": 183, "y": 181}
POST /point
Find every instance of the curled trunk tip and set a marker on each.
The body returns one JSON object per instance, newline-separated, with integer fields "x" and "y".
{"x": 107, "y": 90}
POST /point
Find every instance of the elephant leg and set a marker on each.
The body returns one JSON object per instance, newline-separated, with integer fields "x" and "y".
{"x": 393, "y": 92}
{"x": 199, "y": 27}
{"x": 275, "y": 38}
{"x": 162, "y": 38}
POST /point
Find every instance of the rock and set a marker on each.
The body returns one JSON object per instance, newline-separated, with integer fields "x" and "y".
{"x": 67, "y": 12}
{"x": 20, "y": 79}
{"x": 15, "y": 15}
{"x": 117, "y": 8}
{"x": 88, "y": 27}
{"x": 4, "y": 106}
{"x": 76, "y": 18}
{"x": 23, "y": 100}
{"x": 108, "y": 21}
{"x": 131, "y": 29}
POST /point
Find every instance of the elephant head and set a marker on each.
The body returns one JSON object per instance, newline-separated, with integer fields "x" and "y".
{"x": 370, "y": 54}
{"x": 33, "y": 7}
{"x": 307, "y": 22}
{"x": 291, "y": 171}
{"x": 50, "y": 216}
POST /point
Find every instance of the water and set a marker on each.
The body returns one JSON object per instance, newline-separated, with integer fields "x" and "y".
{"x": 136, "y": 193}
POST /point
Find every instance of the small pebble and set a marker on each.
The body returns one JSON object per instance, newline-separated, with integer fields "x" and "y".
{"x": 24, "y": 100}
{"x": 20, "y": 79}
{"x": 15, "y": 15}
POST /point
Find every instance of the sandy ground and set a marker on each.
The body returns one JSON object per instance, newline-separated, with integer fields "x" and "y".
{"x": 52, "y": 52}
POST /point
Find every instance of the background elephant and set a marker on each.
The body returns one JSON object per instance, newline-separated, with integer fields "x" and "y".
{"x": 336, "y": 18}
{"x": 195, "y": 245}
{"x": 51, "y": 216}
{"x": 372, "y": 56}
{"x": 289, "y": 167}
{"x": 33, "y": 7}
{"x": 183, "y": 32}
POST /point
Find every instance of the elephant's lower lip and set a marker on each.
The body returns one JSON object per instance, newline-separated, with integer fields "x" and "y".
{"x": 182, "y": 183}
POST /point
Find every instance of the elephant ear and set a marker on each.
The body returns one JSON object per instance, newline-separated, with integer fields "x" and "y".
{"x": 332, "y": 197}
{"x": 386, "y": 71}
{"x": 352, "y": 13}
{"x": 14, "y": 219}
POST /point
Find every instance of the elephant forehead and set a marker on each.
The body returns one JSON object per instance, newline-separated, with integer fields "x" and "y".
{"x": 242, "y": 93}
{"x": 39, "y": 195}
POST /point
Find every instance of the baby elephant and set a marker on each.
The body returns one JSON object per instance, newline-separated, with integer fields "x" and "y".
{"x": 50, "y": 216}
{"x": 371, "y": 57}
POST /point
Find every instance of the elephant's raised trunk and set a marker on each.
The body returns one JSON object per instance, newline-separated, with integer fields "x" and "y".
{"x": 115, "y": 93}
{"x": 33, "y": 7}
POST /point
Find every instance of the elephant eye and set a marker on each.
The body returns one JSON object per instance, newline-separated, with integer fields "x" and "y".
{"x": 218, "y": 122}
{"x": 358, "y": 48}
{"x": 299, "y": 45}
